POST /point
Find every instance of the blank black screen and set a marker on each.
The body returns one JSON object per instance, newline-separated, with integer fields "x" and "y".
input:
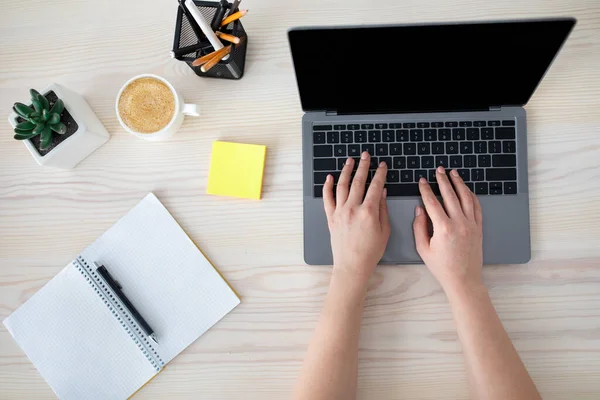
{"x": 417, "y": 68}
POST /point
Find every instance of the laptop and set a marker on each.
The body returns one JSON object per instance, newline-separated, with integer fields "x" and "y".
{"x": 417, "y": 97}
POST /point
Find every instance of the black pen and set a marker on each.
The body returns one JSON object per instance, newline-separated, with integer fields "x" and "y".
{"x": 219, "y": 14}
{"x": 116, "y": 287}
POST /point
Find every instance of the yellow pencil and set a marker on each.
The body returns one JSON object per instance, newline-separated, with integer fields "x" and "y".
{"x": 208, "y": 57}
{"x": 229, "y": 38}
{"x": 234, "y": 17}
{"x": 213, "y": 61}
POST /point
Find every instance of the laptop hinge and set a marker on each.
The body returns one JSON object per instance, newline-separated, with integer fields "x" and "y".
{"x": 328, "y": 113}
{"x": 495, "y": 108}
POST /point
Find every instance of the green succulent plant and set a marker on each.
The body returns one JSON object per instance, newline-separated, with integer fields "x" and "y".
{"x": 40, "y": 119}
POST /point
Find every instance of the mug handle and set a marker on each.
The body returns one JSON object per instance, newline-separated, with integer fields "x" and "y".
{"x": 191, "y": 110}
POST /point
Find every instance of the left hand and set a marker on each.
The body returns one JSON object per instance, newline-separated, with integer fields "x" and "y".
{"x": 359, "y": 228}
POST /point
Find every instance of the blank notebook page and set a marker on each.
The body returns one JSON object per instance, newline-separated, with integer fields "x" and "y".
{"x": 163, "y": 274}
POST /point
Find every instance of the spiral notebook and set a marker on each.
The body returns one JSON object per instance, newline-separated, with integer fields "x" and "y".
{"x": 82, "y": 340}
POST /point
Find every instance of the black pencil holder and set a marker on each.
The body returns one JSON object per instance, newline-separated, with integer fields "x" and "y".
{"x": 233, "y": 67}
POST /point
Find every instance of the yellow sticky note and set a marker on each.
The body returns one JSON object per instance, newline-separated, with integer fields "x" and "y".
{"x": 236, "y": 170}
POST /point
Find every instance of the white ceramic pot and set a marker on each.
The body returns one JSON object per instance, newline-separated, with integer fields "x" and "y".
{"x": 89, "y": 136}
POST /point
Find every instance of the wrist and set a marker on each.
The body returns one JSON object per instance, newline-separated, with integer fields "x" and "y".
{"x": 350, "y": 280}
{"x": 465, "y": 291}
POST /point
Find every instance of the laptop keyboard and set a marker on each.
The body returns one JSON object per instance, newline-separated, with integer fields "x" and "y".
{"x": 483, "y": 152}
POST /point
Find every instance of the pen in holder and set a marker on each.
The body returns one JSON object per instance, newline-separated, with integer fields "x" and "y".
{"x": 186, "y": 40}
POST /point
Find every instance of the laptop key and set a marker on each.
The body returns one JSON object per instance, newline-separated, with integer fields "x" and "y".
{"x": 369, "y": 148}
{"x": 472, "y": 133}
{"x": 386, "y": 160}
{"x": 396, "y": 125}
{"x": 508, "y": 122}
{"x": 381, "y": 126}
{"x": 493, "y": 123}
{"x": 424, "y": 148}
{"x": 504, "y": 160}
{"x": 465, "y": 174}
{"x": 441, "y": 161}
{"x": 501, "y": 174}
{"x": 410, "y": 148}
{"x": 354, "y": 150}
{"x": 399, "y": 163}
{"x": 360, "y": 136}
{"x": 393, "y": 176}
{"x": 455, "y": 161}
{"x": 420, "y": 173}
{"x": 480, "y": 147}
{"x": 403, "y": 189}
{"x": 353, "y": 127}
{"x": 430, "y": 135}
{"x": 505, "y": 133}
{"x": 437, "y": 148}
{"x": 477, "y": 175}
{"x": 374, "y": 163}
{"x": 322, "y": 127}
{"x": 346, "y": 136}
{"x": 481, "y": 188}
{"x": 451, "y": 124}
{"x": 389, "y": 136}
{"x": 319, "y": 137}
{"x": 509, "y": 146}
{"x": 495, "y": 187}
{"x": 444, "y": 134}
{"x": 494, "y": 146}
{"x": 322, "y": 151}
{"x": 416, "y": 135}
{"x": 470, "y": 161}
{"x": 484, "y": 160}
{"x": 422, "y": 124}
{"x": 318, "y": 190}
{"x": 427, "y": 162}
{"x": 374, "y": 136}
{"x": 402, "y": 135}
{"x": 510, "y": 187}
{"x": 395, "y": 149}
{"x": 339, "y": 150}
{"x": 471, "y": 186}
{"x": 465, "y": 124}
{"x": 409, "y": 125}
{"x": 479, "y": 123}
{"x": 341, "y": 163}
{"x": 381, "y": 149}
{"x": 333, "y": 137}
{"x": 458, "y": 134}
{"x": 367, "y": 126}
{"x": 339, "y": 127}
{"x": 431, "y": 176}
{"x": 487, "y": 133}
{"x": 406, "y": 176}
{"x": 413, "y": 162}
{"x": 466, "y": 147}
{"x": 319, "y": 177}
{"x": 452, "y": 148}
{"x": 437, "y": 124}
{"x": 324, "y": 164}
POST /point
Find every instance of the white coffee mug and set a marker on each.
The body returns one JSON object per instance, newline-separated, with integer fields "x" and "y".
{"x": 181, "y": 109}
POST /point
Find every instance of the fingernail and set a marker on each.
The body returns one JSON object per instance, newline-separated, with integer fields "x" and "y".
{"x": 418, "y": 211}
{"x": 382, "y": 164}
{"x": 349, "y": 161}
{"x": 454, "y": 173}
{"x": 328, "y": 179}
{"x": 422, "y": 180}
{"x": 364, "y": 155}
{"x": 441, "y": 170}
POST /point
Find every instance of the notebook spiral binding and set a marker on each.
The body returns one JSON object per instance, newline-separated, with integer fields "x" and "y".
{"x": 120, "y": 312}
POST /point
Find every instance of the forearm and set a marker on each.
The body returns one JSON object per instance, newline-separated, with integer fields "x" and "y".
{"x": 331, "y": 364}
{"x": 495, "y": 369}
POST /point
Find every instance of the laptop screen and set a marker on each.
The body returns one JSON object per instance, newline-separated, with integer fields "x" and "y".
{"x": 424, "y": 68}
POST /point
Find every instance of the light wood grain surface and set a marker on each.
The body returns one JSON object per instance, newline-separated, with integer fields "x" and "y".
{"x": 408, "y": 348}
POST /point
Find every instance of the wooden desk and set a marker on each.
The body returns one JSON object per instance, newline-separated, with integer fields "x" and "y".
{"x": 409, "y": 348}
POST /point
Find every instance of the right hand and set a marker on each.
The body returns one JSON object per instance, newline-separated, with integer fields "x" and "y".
{"x": 454, "y": 254}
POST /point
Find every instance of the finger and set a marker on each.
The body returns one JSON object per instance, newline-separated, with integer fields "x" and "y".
{"x": 464, "y": 195}
{"x": 421, "y": 230}
{"x": 478, "y": 213}
{"x": 384, "y": 218}
{"x": 432, "y": 204}
{"x": 451, "y": 203}
{"x": 343, "y": 186}
{"x": 357, "y": 190}
{"x": 375, "y": 191}
{"x": 328, "y": 200}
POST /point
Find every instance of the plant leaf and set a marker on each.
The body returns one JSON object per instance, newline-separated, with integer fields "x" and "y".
{"x": 39, "y": 127}
{"x": 44, "y": 101}
{"x": 22, "y": 110}
{"x": 45, "y": 115}
{"x": 59, "y": 128}
{"x": 24, "y": 135}
{"x": 58, "y": 107}
{"x": 37, "y": 105}
{"x": 34, "y": 94}
{"x": 54, "y": 119}
{"x": 46, "y": 138}
{"x": 26, "y": 126}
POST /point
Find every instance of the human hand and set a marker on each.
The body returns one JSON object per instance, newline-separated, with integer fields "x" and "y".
{"x": 454, "y": 254}
{"x": 359, "y": 229}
